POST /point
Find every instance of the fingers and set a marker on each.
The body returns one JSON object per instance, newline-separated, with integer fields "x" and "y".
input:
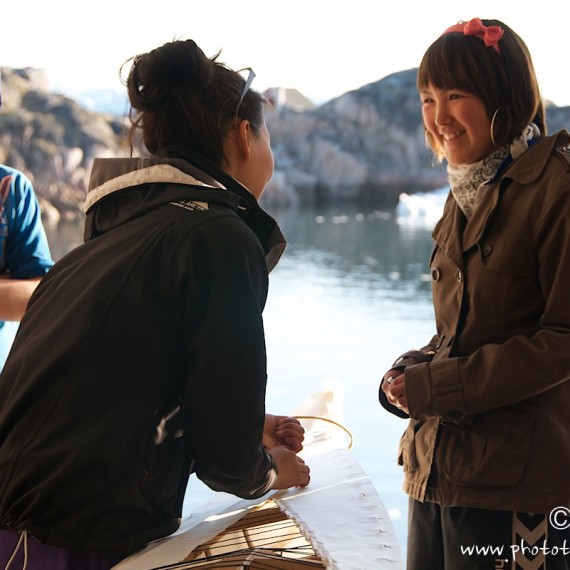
{"x": 290, "y": 424}
{"x": 304, "y": 473}
{"x": 287, "y": 430}
{"x": 290, "y": 433}
{"x": 402, "y": 404}
{"x": 395, "y": 401}
{"x": 292, "y": 471}
{"x": 390, "y": 378}
{"x": 395, "y": 390}
{"x": 399, "y": 401}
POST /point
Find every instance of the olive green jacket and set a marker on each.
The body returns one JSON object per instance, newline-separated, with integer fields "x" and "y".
{"x": 490, "y": 403}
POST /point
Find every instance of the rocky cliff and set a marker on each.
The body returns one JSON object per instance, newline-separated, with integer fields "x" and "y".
{"x": 53, "y": 139}
{"x": 366, "y": 145}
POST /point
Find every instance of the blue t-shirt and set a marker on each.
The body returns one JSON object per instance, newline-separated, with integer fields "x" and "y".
{"x": 24, "y": 249}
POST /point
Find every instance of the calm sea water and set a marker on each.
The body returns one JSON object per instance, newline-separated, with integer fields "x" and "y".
{"x": 350, "y": 294}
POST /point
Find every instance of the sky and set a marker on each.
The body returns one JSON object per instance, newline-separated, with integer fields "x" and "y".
{"x": 323, "y": 48}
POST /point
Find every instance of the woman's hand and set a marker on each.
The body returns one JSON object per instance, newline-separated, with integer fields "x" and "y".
{"x": 283, "y": 430}
{"x": 394, "y": 386}
{"x": 292, "y": 471}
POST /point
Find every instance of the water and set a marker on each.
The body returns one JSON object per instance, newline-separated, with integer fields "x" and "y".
{"x": 350, "y": 294}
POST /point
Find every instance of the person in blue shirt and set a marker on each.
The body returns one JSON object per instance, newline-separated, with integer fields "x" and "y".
{"x": 24, "y": 251}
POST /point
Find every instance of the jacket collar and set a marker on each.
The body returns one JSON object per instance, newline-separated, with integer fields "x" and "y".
{"x": 191, "y": 173}
{"x": 109, "y": 176}
{"x": 262, "y": 224}
{"x": 528, "y": 170}
{"x": 455, "y": 235}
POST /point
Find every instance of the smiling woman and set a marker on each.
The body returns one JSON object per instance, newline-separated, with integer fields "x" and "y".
{"x": 467, "y": 87}
{"x": 486, "y": 454}
{"x": 457, "y": 123}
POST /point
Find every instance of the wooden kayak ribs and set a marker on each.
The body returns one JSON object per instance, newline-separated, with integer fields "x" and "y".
{"x": 264, "y": 538}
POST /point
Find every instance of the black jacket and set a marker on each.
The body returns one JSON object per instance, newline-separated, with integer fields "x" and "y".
{"x": 141, "y": 358}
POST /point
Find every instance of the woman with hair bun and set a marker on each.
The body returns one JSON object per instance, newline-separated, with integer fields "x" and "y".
{"x": 486, "y": 455}
{"x": 141, "y": 358}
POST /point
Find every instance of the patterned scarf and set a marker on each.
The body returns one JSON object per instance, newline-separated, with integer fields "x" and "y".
{"x": 468, "y": 181}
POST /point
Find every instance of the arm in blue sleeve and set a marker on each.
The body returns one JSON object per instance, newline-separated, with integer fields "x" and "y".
{"x": 27, "y": 253}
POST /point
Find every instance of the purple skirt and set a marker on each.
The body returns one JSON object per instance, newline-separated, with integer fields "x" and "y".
{"x": 45, "y": 557}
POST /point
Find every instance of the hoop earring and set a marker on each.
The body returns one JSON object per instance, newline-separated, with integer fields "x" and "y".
{"x": 437, "y": 152}
{"x": 493, "y": 126}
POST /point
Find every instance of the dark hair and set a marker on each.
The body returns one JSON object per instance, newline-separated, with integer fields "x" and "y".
{"x": 179, "y": 97}
{"x": 506, "y": 82}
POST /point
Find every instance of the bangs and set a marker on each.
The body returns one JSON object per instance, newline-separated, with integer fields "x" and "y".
{"x": 453, "y": 62}
{"x": 503, "y": 80}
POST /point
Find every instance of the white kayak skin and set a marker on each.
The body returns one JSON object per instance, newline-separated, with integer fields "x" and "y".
{"x": 339, "y": 517}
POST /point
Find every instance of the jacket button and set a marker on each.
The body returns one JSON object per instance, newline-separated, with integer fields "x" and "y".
{"x": 435, "y": 274}
{"x": 453, "y": 415}
{"x": 486, "y": 250}
{"x": 459, "y": 276}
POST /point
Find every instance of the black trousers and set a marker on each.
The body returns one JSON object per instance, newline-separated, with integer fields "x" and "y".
{"x": 457, "y": 538}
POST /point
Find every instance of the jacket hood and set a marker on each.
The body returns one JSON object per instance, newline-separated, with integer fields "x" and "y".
{"x": 121, "y": 189}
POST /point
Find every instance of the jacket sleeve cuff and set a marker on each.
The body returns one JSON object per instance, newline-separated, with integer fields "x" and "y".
{"x": 435, "y": 390}
{"x": 269, "y": 482}
{"x": 424, "y": 354}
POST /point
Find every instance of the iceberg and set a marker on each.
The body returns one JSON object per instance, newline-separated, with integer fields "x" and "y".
{"x": 422, "y": 209}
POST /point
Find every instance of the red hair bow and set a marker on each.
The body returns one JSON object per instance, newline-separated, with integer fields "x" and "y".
{"x": 475, "y": 27}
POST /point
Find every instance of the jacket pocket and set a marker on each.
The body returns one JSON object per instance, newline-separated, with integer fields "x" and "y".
{"x": 493, "y": 452}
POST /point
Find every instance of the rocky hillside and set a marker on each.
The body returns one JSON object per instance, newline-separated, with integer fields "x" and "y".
{"x": 53, "y": 139}
{"x": 366, "y": 145}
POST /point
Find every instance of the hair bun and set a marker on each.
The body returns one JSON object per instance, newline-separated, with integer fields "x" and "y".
{"x": 154, "y": 74}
